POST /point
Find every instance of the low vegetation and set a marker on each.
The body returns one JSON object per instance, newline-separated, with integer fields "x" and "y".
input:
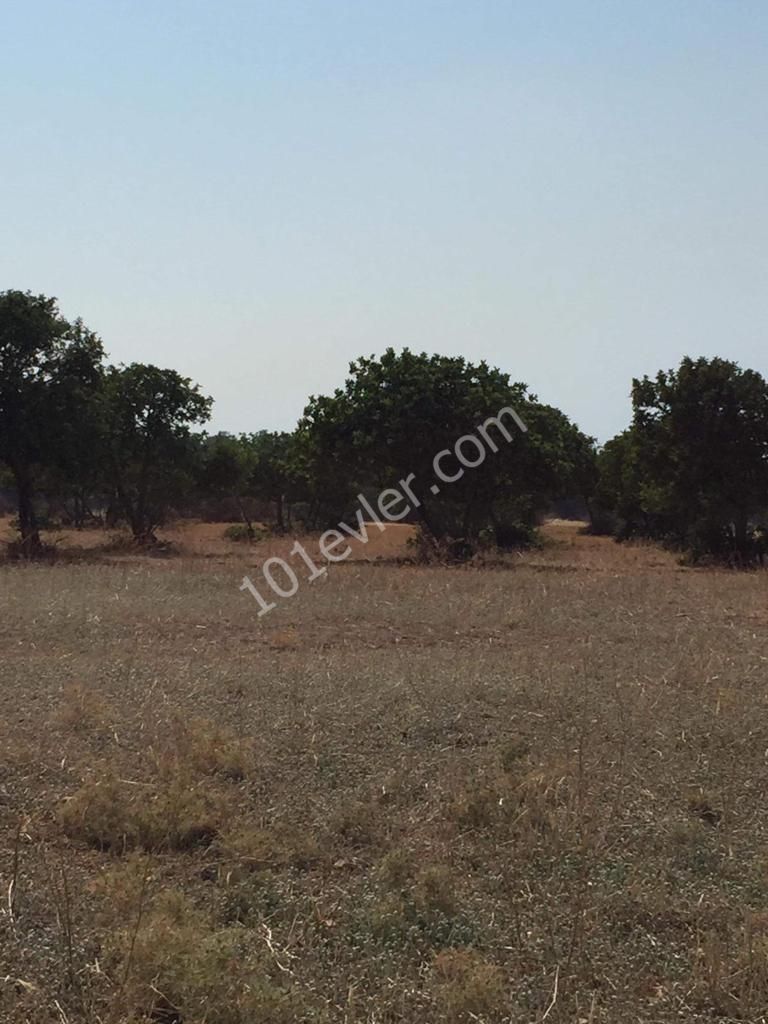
{"x": 524, "y": 791}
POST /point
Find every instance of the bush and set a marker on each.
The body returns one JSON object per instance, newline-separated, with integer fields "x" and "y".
{"x": 466, "y": 986}
{"x": 108, "y": 817}
{"x": 178, "y": 966}
{"x": 19, "y": 550}
{"x": 241, "y": 534}
{"x": 513, "y": 536}
{"x": 603, "y": 523}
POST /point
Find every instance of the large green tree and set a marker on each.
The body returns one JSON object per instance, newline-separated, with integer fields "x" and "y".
{"x": 693, "y": 467}
{"x": 396, "y": 413}
{"x": 150, "y": 453}
{"x": 50, "y": 373}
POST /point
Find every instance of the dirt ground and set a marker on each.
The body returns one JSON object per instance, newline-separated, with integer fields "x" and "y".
{"x": 208, "y": 540}
{"x": 526, "y": 791}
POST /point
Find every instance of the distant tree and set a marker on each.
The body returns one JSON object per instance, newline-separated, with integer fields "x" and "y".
{"x": 693, "y": 468}
{"x": 225, "y": 471}
{"x": 395, "y": 414}
{"x": 275, "y": 475}
{"x": 617, "y": 504}
{"x": 147, "y": 420}
{"x": 50, "y": 371}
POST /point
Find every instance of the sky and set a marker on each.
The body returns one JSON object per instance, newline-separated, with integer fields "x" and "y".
{"x": 256, "y": 193}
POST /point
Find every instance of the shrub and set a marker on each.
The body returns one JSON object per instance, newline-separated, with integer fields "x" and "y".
{"x": 241, "y": 534}
{"x": 356, "y": 823}
{"x": 466, "y": 986}
{"x": 200, "y": 747}
{"x": 179, "y": 967}
{"x": 397, "y": 869}
{"x": 255, "y": 849}
{"x": 106, "y": 815}
{"x": 435, "y": 891}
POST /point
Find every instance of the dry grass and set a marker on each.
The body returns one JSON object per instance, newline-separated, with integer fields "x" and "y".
{"x": 535, "y": 791}
{"x": 207, "y": 540}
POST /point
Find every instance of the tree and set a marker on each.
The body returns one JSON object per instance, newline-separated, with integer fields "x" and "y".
{"x": 693, "y": 468}
{"x": 225, "y": 470}
{"x": 148, "y": 414}
{"x": 395, "y": 414}
{"x": 49, "y": 371}
{"x": 617, "y": 504}
{"x": 275, "y": 476}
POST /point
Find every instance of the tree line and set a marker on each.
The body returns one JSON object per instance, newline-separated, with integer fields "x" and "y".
{"x": 83, "y": 441}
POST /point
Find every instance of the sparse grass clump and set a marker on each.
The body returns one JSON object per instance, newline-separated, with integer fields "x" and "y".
{"x": 467, "y": 987}
{"x": 245, "y": 849}
{"x": 514, "y": 751}
{"x": 240, "y": 533}
{"x": 176, "y": 964}
{"x": 535, "y": 803}
{"x": 201, "y": 747}
{"x": 111, "y": 815}
{"x": 435, "y": 890}
{"x": 357, "y": 823}
{"x": 730, "y": 976}
{"x": 83, "y": 709}
{"x": 397, "y": 869}
{"x": 476, "y": 806}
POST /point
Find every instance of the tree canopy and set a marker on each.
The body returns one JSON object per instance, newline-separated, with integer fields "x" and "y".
{"x": 692, "y": 469}
{"x": 70, "y": 424}
{"x": 48, "y": 369}
{"x": 395, "y": 414}
{"x": 482, "y": 457}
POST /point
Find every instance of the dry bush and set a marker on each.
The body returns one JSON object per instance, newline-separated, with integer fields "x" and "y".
{"x": 174, "y": 964}
{"x": 435, "y": 890}
{"x": 83, "y": 709}
{"x": 245, "y": 850}
{"x": 199, "y": 746}
{"x": 357, "y": 823}
{"x": 467, "y": 988}
{"x": 730, "y": 976}
{"x": 112, "y": 815}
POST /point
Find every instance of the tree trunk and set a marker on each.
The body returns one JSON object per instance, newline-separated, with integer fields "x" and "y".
{"x": 279, "y": 518}
{"x": 134, "y": 513}
{"x": 590, "y": 512}
{"x": 741, "y": 538}
{"x": 30, "y": 534}
{"x": 246, "y": 520}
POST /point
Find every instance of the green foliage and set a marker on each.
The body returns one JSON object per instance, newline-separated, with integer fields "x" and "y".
{"x": 693, "y": 468}
{"x": 50, "y": 371}
{"x": 261, "y": 466}
{"x": 275, "y": 477}
{"x": 395, "y": 414}
{"x": 241, "y": 534}
{"x": 148, "y": 413}
{"x": 225, "y": 466}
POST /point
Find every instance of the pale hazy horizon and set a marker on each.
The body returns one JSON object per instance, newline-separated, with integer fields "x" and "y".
{"x": 256, "y": 196}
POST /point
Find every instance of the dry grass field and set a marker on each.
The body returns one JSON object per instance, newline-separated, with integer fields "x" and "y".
{"x": 527, "y": 792}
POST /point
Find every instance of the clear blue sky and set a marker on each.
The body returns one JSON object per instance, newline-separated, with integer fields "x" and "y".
{"x": 255, "y": 193}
